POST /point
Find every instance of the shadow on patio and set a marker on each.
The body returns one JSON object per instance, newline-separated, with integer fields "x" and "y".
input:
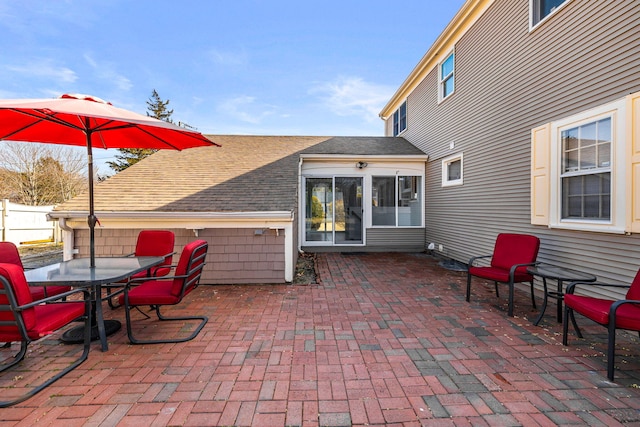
{"x": 382, "y": 339}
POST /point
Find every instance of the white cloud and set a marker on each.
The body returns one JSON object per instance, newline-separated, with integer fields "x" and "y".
{"x": 230, "y": 58}
{"x": 46, "y": 69}
{"x": 105, "y": 71}
{"x": 246, "y": 109}
{"x": 352, "y": 96}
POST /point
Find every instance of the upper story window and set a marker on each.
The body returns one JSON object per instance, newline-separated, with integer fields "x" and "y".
{"x": 540, "y": 9}
{"x": 400, "y": 119}
{"x": 446, "y": 73}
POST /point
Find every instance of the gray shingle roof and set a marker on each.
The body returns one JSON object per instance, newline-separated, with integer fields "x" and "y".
{"x": 245, "y": 174}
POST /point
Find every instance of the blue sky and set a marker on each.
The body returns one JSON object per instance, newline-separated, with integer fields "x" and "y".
{"x": 227, "y": 67}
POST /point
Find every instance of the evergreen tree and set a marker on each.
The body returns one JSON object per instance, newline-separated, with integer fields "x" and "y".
{"x": 157, "y": 108}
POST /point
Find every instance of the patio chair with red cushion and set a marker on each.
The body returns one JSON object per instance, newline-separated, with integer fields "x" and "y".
{"x": 25, "y": 320}
{"x": 167, "y": 290}
{"x": 512, "y": 254}
{"x": 150, "y": 243}
{"x": 612, "y": 314}
{"x": 155, "y": 243}
{"x": 9, "y": 254}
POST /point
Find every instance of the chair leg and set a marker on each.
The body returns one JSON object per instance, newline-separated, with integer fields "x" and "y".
{"x": 111, "y": 295}
{"x": 56, "y": 377}
{"x": 110, "y": 300}
{"x": 134, "y": 340}
{"x": 533, "y": 297}
{"x": 565, "y": 325}
{"x": 495, "y": 284}
{"x": 573, "y": 322}
{"x": 511, "y": 290}
{"x": 17, "y": 358}
{"x": 468, "y": 287}
{"x": 611, "y": 350}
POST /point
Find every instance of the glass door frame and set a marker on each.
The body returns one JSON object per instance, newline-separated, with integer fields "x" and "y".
{"x": 304, "y": 210}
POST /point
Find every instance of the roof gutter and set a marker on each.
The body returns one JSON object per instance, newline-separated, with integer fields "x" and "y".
{"x": 468, "y": 14}
{"x": 274, "y": 215}
{"x": 387, "y": 157}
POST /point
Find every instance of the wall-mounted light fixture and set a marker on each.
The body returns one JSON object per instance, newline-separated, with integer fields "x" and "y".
{"x": 362, "y": 165}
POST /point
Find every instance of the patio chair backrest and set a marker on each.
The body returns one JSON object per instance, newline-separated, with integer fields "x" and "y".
{"x": 14, "y": 292}
{"x": 156, "y": 243}
{"x": 511, "y": 249}
{"x": 9, "y": 254}
{"x": 634, "y": 291}
{"x": 190, "y": 267}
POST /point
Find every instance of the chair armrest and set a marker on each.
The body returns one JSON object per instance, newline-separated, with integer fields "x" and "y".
{"x": 514, "y": 267}
{"x": 61, "y": 296}
{"x": 572, "y": 285}
{"x": 617, "y": 304}
{"x": 141, "y": 280}
{"x": 472, "y": 260}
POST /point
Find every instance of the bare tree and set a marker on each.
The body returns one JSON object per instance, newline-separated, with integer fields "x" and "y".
{"x": 40, "y": 174}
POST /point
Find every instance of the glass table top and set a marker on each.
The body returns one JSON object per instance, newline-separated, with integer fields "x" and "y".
{"x": 78, "y": 272}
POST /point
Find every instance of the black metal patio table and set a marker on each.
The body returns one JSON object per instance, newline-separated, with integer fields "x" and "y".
{"x": 78, "y": 273}
{"x": 560, "y": 275}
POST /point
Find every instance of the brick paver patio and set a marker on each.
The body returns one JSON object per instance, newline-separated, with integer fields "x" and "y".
{"x": 383, "y": 339}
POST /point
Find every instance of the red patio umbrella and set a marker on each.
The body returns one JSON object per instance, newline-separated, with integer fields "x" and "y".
{"x": 89, "y": 121}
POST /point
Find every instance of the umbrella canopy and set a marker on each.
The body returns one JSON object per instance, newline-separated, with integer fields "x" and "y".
{"x": 88, "y": 121}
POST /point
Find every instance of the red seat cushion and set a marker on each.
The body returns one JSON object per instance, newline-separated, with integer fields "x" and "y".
{"x": 190, "y": 251}
{"x": 40, "y": 320}
{"x": 634, "y": 290}
{"x": 597, "y": 309}
{"x": 511, "y": 249}
{"x": 500, "y": 274}
{"x": 38, "y": 292}
{"x": 51, "y": 317}
{"x": 167, "y": 292}
{"x": 155, "y": 243}
{"x": 9, "y": 254}
{"x": 153, "y": 292}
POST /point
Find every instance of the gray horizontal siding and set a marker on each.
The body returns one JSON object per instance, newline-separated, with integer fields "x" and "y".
{"x": 508, "y": 81}
{"x": 396, "y": 238}
{"x": 381, "y": 240}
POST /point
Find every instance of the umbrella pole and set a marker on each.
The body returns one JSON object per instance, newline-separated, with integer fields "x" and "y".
{"x": 91, "y": 220}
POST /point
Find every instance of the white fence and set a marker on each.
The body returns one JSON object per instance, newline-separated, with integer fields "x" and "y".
{"x": 23, "y": 224}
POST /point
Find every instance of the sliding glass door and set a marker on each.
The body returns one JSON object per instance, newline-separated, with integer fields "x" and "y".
{"x": 333, "y": 211}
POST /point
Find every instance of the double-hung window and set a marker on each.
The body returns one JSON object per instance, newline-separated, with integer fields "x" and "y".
{"x": 400, "y": 119}
{"x": 584, "y": 170}
{"x": 540, "y": 9}
{"x": 446, "y": 72}
{"x": 396, "y": 201}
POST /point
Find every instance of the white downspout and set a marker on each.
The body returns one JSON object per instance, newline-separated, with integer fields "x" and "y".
{"x": 288, "y": 253}
{"x": 68, "y": 239}
{"x": 299, "y": 216}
